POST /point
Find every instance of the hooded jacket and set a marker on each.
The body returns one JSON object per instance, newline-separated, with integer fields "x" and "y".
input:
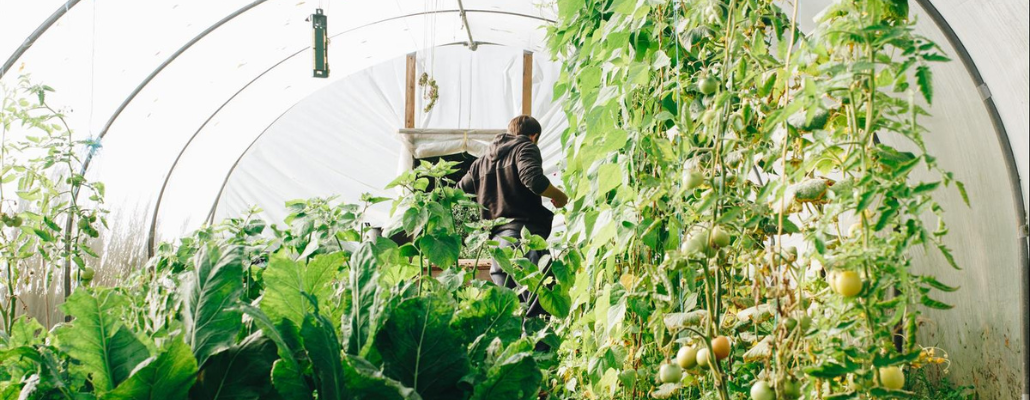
{"x": 508, "y": 181}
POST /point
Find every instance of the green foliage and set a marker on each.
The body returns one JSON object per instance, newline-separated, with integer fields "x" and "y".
{"x": 168, "y": 376}
{"x": 244, "y": 312}
{"x": 289, "y": 284}
{"x": 54, "y": 212}
{"x": 211, "y": 292}
{"x": 240, "y": 371}
{"x": 514, "y": 375}
{"x": 697, "y": 117}
{"x": 421, "y": 351}
{"x": 103, "y": 348}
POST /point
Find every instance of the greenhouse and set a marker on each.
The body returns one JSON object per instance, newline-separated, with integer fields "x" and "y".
{"x": 517, "y": 199}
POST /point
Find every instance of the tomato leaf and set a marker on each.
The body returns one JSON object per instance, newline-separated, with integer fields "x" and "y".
{"x": 830, "y": 369}
{"x": 924, "y": 80}
{"x": 934, "y": 283}
{"x": 927, "y": 301}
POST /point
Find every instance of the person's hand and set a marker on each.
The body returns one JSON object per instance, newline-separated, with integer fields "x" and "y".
{"x": 560, "y": 200}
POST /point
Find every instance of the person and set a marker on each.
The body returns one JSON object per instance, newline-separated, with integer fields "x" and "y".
{"x": 509, "y": 182}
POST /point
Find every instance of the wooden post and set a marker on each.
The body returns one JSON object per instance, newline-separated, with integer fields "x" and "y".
{"x": 527, "y": 83}
{"x": 409, "y": 95}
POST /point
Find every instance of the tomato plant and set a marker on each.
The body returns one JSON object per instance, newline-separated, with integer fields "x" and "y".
{"x": 54, "y": 212}
{"x": 736, "y": 180}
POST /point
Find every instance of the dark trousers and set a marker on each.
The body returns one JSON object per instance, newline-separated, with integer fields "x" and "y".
{"x": 501, "y": 278}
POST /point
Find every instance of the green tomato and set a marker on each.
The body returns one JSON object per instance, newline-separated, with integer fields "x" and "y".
{"x": 670, "y": 373}
{"x": 791, "y": 388}
{"x": 86, "y": 274}
{"x": 790, "y": 323}
{"x": 892, "y": 377}
{"x": 762, "y": 391}
{"x": 708, "y": 117}
{"x": 720, "y": 238}
{"x": 686, "y": 357}
{"x": 848, "y": 283}
{"x": 707, "y": 85}
{"x": 702, "y": 357}
{"x": 692, "y": 180}
{"x": 806, "y": 322}
{"x": 737, "y": 121}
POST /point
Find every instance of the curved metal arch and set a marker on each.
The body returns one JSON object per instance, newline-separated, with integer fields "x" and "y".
{"x": 152, "y": 231}
{"x": 1010, "y": 164}
{"x": 29, "y": 41}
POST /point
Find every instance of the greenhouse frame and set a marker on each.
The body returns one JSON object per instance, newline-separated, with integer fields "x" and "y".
{"x": 193, "y": 112}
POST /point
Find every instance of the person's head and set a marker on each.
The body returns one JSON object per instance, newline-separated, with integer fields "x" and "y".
{"x": 524, "y": 125}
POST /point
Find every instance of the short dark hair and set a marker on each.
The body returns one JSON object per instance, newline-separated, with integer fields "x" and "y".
{"x": 524, "y": 125}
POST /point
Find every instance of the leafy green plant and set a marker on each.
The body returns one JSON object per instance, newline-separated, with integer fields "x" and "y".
{"x": 240, "y": 311}
{"x": 46, "y": 224}
{"x": 717, "y": 159}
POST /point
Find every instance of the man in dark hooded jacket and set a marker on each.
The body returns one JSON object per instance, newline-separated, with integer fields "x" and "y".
{"x": 509, "y": 182}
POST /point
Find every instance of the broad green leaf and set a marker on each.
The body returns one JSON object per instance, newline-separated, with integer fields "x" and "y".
{"x": 210, "y": 292}
{"x": 366, "y": 382}
{"x": 419, "y": 349}
{"x": 287, "y": 281}
{"x": 96, "y": 339}
{"x": 169, "y": 376}
{"x": 239, "y": 372}
{"x": 362, "y": 289}
{"x": 25, "y": 331}
{"x": 492, "y": 311}
{"x": 289, "y": 382}
{"x": 323, "y": 348}
{"x": 287, "y": 375}
{"x": 517, "y": 378}
{"x": 442, "y": 249}
{"x": 414, "y": 219}
{"x": 609, "y": 177}
{"x": 555, "y": 302}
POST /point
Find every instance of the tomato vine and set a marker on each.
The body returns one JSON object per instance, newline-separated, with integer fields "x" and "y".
{"x": 716, "y": 156}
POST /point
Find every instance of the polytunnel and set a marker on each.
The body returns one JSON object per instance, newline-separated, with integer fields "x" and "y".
{"x": 203, "y": 110}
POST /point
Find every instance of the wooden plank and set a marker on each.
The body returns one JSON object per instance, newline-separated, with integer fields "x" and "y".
{"x": 409, "y": 95}
{"x": 527, "y": 83}
{"x": 482, "y": 269}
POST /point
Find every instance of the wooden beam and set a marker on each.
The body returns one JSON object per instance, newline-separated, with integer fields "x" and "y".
{"x": 409, "y": 95}
{"x": 527, "y": 83}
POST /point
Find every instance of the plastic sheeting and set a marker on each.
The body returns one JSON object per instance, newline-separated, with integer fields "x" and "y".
{"x": 353, "y": 146}
{"x": 241, "y": 108}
